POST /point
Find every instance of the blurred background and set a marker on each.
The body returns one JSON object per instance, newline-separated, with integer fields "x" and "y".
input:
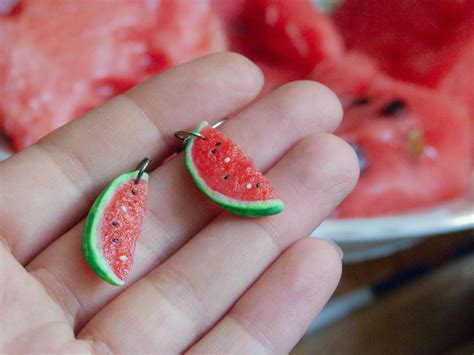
{"x": 403, "y": 70}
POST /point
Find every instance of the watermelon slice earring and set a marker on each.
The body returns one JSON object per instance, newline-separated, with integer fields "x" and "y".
{"x": 223, "y": 172}
{"x": 114, "y": 223}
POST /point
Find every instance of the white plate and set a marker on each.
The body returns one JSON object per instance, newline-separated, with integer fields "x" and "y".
{"x": 366, "y": 238}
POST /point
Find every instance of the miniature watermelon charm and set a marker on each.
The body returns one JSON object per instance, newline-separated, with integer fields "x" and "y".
{"x": 114, "y": 223}
{"x": 226, "y": 175}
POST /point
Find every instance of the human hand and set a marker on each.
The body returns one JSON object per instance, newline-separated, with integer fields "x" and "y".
{"x": 204, "y": 281}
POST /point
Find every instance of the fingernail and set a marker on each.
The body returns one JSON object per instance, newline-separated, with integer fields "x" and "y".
{"x": 337, "y": 247}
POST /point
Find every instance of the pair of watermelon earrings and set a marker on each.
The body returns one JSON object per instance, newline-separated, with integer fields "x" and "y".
{"x": 219, "y": 168}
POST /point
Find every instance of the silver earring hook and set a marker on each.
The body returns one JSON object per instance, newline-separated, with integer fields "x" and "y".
{"x": 141, "y": 167}
{"x": 183, "y": 136}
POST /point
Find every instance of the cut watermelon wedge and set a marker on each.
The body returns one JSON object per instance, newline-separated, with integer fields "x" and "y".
{"x": 113, "y": 226}
{"x": 412, "y": 142}
{"x": 226, "y": 175}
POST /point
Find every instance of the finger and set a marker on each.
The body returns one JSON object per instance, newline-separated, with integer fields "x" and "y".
{"x": 28, "y": 315}
{"x": 174, "y": 306}
{"x": 275, "y": 312}
{"x": 177, "y": 210}
{"x": 65, "y": 171}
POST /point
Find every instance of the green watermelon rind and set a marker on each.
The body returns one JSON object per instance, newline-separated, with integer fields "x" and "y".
{"x": 241, "y": 208}
{"x": 90, "y": 235}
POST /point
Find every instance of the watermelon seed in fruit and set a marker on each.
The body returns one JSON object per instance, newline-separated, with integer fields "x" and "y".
{"x": 415, "y": 142}
{"x": 360, "y": 101}
{"x": 226, "y": 177}
{"x": 218, "y": 143}
{"x": 214, "y": 151}
{"x": 226, "y": 159}
{"x": 360, "y": 156}
{"x": 134, "y": 192}
{"x": 115, "y": 240}
{"x": 115, "y": 223}
{"x": 393, "y": 108}
{"x": 257, "y": 185}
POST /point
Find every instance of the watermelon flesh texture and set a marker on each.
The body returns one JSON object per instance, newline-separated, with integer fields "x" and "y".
{"x": 429, "y": 42}
{"x": 408, "y": 159}
{"x": 225, "y": 174}
{"x": 414, "y": 41}
{"x": 113, "y": 226}
{"x": 59, "y": 59}
{"x": 286, "y": 39}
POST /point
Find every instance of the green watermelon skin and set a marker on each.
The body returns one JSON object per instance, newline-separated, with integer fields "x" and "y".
{"x": 90, "y": 237}
{"x": 242, "y": 208}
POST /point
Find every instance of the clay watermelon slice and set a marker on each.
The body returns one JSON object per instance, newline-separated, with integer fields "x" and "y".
{"x": 226, "y": 175}
{"x": 113, "y": 226}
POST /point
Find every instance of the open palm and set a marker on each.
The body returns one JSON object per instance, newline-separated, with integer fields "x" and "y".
{"x": 203, "y": 280}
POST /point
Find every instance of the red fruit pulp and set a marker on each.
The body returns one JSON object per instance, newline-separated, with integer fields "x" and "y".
{"x": 285, "y": 38}
{"x": 121, "y": 226}
{"x": 226, "y": 169}
{"x": 429, "y": 42}
{"x": 59, "y": 59}
{"x": 411, "y": 159}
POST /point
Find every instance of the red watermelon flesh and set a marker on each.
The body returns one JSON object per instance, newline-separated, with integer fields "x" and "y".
{"x": 118, "y": 242}
{"x": 430, "y": 42}
{"x": 285, "y": 38}
{"x": 408, "y": 158}
{"x": 225, "y": 174}
{"x": 277, "y": 74}
{"x": 418, "y": 41}
{"x": 239, "y": 169}
{"x": 61, "y": 58}
{"x": 293, "y": 31}
{"x": 458, "y": 84}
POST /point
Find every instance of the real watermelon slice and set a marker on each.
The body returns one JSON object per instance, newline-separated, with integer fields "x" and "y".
{"x": 293, "y": 31}
{"x": 113, "y": 226}
{"x": 225, "y": 174}
{"x": 429, "y": 42}
{"x": 59, "y": 59}
{"x": 419, "y": 41}
{"x": 413, "y": 143}
{"x": 285, "y": 38}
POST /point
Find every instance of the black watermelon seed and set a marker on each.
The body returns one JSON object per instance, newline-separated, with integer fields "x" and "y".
{"x": 214, "y": 151}
{"x": 115, "y": 223}
{"x": 257, "y": 185}
{"x": 360, "y": 156}
{"x": 134, "y": 192}
{"x": 218, "y": 143}
{"x": 226, "y": 177}
{"x": 115, "y": 240}
{"x": 360, "y": 101}
{"x": 393, "y": 108}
